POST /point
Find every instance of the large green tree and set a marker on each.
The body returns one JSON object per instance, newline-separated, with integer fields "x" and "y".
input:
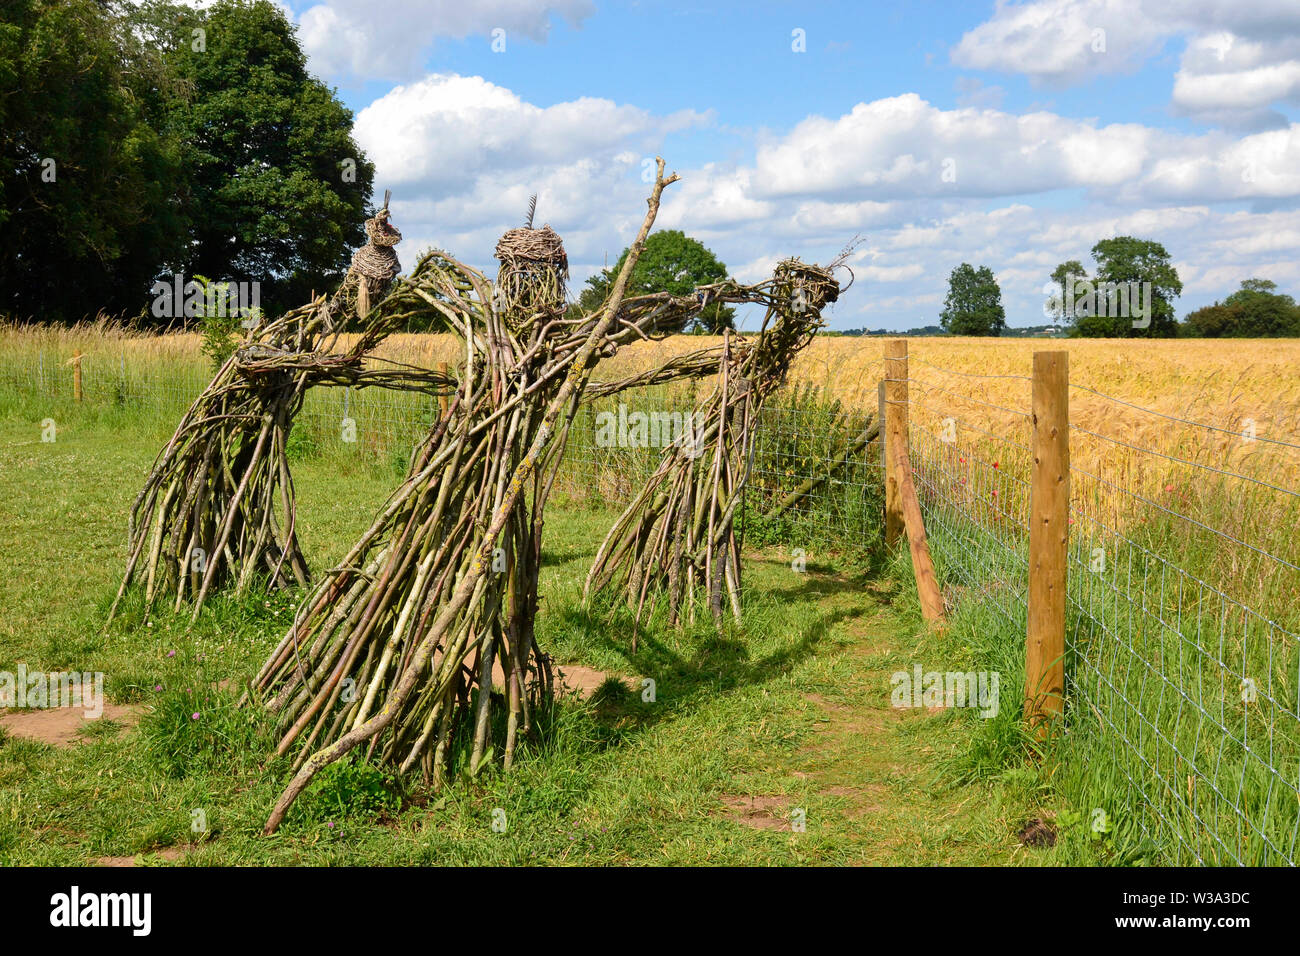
{"x": 279, "y": 188}
{"x": 1130, "y": 262}
{"x": 974, "y": 303}
{"x": 139, "y": 139}
{"x": 673, "y": 262}
{"x": 89, "y": 177}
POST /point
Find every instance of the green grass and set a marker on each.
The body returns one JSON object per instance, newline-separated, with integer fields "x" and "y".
{"x": 789, "y": 712}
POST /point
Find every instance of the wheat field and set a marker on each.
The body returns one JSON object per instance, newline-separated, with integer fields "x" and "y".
{"x": 1241, "y": 386}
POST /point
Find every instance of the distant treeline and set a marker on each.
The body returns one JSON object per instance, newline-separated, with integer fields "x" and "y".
{"x": 1130, "y": 295}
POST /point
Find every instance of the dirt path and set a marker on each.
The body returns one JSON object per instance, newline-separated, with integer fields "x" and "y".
{"x": 875, "y": 773}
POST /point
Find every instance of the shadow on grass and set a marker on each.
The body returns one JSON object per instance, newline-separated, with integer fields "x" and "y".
{"x": 693, "y": 664}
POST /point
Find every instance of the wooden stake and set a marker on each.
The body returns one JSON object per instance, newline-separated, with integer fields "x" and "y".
{"x": 445, "y": 370}
{"x": 895, "y": 430}
{"x": 927, "y": 584}
{"x": 1049, "y": 532}
{"x": 75, "y": 362}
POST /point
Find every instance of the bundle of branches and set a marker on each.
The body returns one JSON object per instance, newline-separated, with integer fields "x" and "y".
{"x": 678, "y": 535}
{"x": 207, "y": 513}
{"x": 396, "y": 647}
{"x": 218, "y": 505}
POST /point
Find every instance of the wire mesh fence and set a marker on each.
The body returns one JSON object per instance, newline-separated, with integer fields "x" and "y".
{"x": 1181, "y": 651}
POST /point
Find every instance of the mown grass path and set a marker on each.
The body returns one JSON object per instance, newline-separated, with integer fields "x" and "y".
{"x": 875, "y": 779}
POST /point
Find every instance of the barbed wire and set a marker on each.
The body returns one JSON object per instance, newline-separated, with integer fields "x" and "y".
{"x": 1181, "y": 421}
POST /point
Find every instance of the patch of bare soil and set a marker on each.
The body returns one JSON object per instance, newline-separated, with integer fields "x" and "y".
{"x": 571, "y": 678}
{"x": 586, "y": 680}
{"x": 167, "y": 853}
{"x": 761, "y": 813}
{"x": 1038, "y": 833}
{"x": 63, "y": 726}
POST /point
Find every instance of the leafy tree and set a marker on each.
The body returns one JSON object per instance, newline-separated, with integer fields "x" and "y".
{"x": 1123, "y": 260}
{"x": 974, "y": 303}
{"x": 88, "y": 173}
{"x": 674, "y": 262}
{"x": 1209, "y": 322}
{"x": 278, "y": 186}
{"x": 1064, "y": 277}
{"x": 140, "y": 138}
{"x": 1256, "y": 310}
{"x": 1262, "y": 312}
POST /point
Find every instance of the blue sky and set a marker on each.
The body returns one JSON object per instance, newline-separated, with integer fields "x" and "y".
{"x": 1007, "y": 135}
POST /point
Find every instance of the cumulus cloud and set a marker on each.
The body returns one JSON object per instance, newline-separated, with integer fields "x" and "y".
{"x": 714, "y": 197}
{"x": 1230, "y": 80}
{"x": 460, "y": 152}
{"x": 905, "y": 148}
{"x": 357, "y": 38}
{"x": 1063, "y": 41}
{"x": 463, "y": 154}
{"x": 1239, "y": 57}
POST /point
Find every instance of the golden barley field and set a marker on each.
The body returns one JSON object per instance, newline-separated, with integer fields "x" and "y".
{"x": 1241, "y": 386}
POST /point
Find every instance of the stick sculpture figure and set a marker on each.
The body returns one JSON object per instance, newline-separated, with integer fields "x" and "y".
{"x": 395, "y": 647}
{"x": 679, "y": 531}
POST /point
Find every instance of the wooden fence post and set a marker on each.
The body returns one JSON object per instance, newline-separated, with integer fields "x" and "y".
{"x": 76, "y": 377}
{"x": 1049, "y": 536}
{"x": 445, "y": 369}
{"x": 895, "y": 429}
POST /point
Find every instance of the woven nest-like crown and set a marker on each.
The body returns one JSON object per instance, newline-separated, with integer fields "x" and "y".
{"x": 817, "y": 285}
{"x": 527, "y": 246}
{"x": 531, "y": 279}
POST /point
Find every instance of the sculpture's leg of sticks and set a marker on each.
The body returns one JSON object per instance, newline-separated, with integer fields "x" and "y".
{"x": 217, "y": 506}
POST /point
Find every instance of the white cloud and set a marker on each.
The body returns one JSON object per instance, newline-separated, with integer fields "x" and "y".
{"x": 713, "y": 197}
{"x": 389, "y": 41}
{"x": 905, "y": 148}
{"x": 1225, "y": 78}
{"x": 446, "y": 130}
{"x": 463, "y": 155}
{"x": 1060, "y": 41}
{"x": 1240, "y": 57}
